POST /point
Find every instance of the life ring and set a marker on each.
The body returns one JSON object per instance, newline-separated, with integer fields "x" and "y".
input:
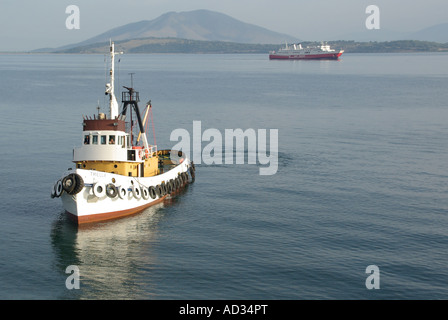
{"x": 169, "y": 188}
{"x": 58, "y": 188}
{"x": 145, "y": 193}
{"x": 181, "y": 178}
{"x": 111, "y": 190}
{"x": 136, "y": 192}
{"x": 122, "y": 192}
{"x": 173, "y": 185}
{"x": 176, "y": 183}
{"x": 159, "y": 191}
{"x": 79, "y": 184}
{"x": 163, "y": 187}
{"x": 152, "y": 192}
{"x": 69, "y": 183}
{"x": 99, "y": 190}
{"x": 192, "y": 174}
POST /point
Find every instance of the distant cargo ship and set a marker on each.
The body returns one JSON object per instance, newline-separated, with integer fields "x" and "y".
{"x": 295, "y": 52}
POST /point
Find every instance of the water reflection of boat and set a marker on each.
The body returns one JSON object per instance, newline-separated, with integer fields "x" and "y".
{"x": 109, "y": 254}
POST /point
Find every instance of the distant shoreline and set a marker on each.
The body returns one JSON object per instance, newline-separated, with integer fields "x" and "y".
{"x": 185, "y": 46}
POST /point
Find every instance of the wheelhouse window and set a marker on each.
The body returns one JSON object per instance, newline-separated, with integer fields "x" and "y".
{"x": 121, "y": 141}
{"x": 103, "y": 139}
{"x": 86, "y": 139}
{"x": 112, "y": 139}
{"x": 95, "y": 139}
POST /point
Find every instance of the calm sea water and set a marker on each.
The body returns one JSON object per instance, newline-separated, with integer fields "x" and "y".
{"x": 362, "y": 180}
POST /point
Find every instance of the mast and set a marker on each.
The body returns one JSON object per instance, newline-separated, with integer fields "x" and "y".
{"x": 131, "y": 98}
{"x": 113, "y": 104}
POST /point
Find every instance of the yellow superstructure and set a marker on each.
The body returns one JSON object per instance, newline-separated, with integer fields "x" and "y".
{"x": 148, "y": 168}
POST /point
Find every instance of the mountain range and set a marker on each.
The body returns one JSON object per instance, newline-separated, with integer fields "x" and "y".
{"x": 205, "y": 25}
{"x": 436, "y": 33}
{"x": 202, "y": 25}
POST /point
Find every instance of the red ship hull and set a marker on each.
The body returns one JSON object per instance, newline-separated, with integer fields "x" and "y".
{"x": 327, "y": 56}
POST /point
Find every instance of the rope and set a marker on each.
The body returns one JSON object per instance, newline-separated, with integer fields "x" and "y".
{"x": 152, "y": 122}
{"x": 147, "y": 120}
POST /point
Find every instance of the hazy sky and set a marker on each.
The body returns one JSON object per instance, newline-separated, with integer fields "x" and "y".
{"x": 28, "y": 24}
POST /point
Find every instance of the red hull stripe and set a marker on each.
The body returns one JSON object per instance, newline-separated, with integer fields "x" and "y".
{"x": 110, "y": 215}
{"x": 113, "y": 215}
{"x": 304, "y": 57}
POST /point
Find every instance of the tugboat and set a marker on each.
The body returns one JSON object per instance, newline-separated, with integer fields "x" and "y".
{"x": 297, "y": 52}
{"x": 117, "y": 173}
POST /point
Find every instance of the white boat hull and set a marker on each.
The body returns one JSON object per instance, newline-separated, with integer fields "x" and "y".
{"x": 89, "y": 205}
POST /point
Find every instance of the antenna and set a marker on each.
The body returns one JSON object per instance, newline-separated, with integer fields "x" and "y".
{"x": 132, "y": 79}
{"x": 113, "y": 105}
